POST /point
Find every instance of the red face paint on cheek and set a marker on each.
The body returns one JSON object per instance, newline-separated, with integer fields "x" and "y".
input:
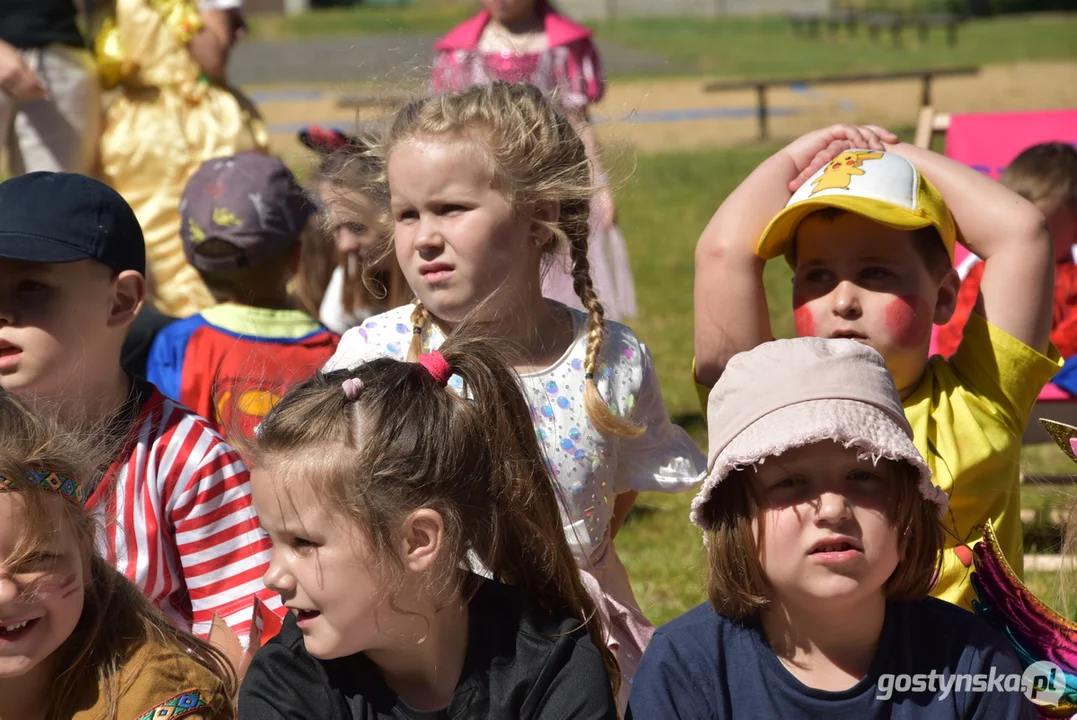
{"x": 802, "y": 318}
{"x": 907, "y": 321}
{"x": 804, "y": 322}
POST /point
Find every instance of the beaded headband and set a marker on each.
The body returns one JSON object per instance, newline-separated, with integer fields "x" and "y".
{"x": 68, "y": 487}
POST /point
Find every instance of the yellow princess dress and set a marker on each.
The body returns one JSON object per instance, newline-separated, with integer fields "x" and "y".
{"x": 163, "y": 120}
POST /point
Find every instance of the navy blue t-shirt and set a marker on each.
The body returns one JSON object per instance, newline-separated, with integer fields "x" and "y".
{"x": 704, "y": 666}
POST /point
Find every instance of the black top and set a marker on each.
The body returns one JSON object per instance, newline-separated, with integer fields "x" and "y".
{"x": 704, "y": 666}
{"x": 518, "y": 667}
{"x": 140, "y": 337}
{"x": 37, "y": 23}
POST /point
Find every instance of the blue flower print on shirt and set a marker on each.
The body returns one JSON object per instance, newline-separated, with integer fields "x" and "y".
{"x": 402, "y": 328}
{"x": 551, "y": 387}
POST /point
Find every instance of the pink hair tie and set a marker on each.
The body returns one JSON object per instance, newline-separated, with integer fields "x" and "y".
{"x": 438, "y": 367}
{"x": 352, "y": 387}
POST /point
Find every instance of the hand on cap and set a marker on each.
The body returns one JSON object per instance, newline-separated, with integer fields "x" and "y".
{"x": 16, "y": 78}
{"x": 814, "y": 150}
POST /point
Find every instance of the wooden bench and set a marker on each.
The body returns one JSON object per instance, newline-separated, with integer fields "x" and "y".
{"x": 761, "y": 86}
{"x": 810, "y": 24}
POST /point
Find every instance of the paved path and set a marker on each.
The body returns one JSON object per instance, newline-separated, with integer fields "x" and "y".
{"x": 663, "y": 114}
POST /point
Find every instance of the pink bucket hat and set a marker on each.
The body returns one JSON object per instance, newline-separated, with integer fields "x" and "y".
{"x": 790, "y": 393}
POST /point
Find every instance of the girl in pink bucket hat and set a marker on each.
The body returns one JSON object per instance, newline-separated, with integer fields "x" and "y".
{"x": 822, "y": 532}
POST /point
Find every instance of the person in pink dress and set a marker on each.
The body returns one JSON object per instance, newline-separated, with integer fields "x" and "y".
{"x": 529, "y": 41}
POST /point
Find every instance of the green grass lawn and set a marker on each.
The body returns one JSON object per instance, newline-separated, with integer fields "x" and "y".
{"x": 663, "y": 205}
{"x": 735, "y": 47}
{"x": 732, "y": 47}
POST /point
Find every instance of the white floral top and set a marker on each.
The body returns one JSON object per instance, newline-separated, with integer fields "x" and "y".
{"x": 590, "y": 469}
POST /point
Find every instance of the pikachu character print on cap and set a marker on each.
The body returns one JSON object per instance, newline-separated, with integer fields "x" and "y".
{"x": 839, "y": 173}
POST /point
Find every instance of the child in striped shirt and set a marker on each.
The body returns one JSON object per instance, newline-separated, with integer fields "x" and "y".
{"x": 77, "y": 640}
{"x": 175, "y": 500}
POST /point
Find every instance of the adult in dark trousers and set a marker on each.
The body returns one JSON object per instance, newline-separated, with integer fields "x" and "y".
{"x": 50, "y": 105}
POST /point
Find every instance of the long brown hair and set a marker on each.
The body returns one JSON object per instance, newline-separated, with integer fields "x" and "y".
{"x": 407, "y": 443}
{"x": 356, "y": 168}
{"x": 537, "y": 156}
{"x": 116, "y": 618}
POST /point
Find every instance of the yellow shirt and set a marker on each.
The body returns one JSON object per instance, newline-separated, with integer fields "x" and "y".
{"x": 968, "y": 415}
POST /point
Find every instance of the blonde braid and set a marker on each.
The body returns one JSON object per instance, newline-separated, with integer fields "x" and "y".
{"x": 604, "y": 419}
{"x": 419, "y": 316}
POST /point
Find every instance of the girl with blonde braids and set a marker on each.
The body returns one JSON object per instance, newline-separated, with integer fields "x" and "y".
{"x": 484, "y": 183}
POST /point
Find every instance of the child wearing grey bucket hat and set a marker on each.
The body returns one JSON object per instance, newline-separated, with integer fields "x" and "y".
{"x": 823, "y": 540}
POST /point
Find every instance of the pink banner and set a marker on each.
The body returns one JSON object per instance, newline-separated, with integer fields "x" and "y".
{"x": 988, "y": 142}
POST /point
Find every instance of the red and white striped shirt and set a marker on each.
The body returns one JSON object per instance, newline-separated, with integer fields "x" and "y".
{"x": 178, "y": 520}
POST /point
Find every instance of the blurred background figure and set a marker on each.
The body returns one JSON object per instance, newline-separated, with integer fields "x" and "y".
{"x": 49, "y": 97}
{"x": 529, "y": 41}
{"x": 172, "y": 110}
{"x": 352, "y": 274}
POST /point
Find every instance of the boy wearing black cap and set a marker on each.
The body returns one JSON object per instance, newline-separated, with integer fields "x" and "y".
{"x": 242, "y": 218}
{"x": 176, "y": 496}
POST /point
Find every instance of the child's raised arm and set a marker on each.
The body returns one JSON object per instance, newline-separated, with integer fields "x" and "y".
{"x": 730, "y": 302}
{"x": 1009, "y": 233}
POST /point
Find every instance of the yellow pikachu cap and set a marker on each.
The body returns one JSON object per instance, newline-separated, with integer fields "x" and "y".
{"x": 880, "y": 186}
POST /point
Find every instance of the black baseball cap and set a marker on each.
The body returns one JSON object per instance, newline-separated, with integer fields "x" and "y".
{"x": 55, "y": 217}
